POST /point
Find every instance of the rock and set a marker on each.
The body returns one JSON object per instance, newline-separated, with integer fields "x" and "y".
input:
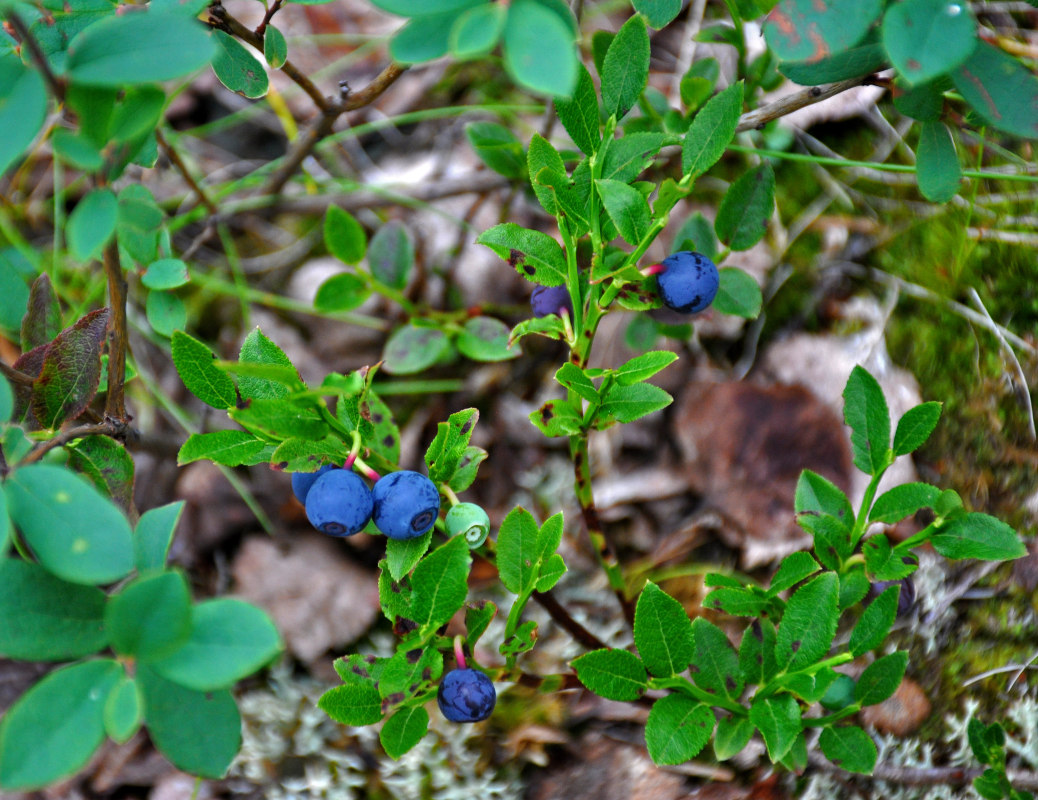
{"x": 900, "y": 714}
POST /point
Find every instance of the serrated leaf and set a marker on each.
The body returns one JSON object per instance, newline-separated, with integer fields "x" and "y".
{"x": 550, "y": 572}
{"x": 644, "y": 366}
{"x": 573, "y": 377}
{"x": 903, "y": 501}
{"x": 677, "y": 728}
{"x": 612, "y": 674}
{"x": 915, "y": 427}
{"x": 497, "y": 147}
{"x": 715, "y": 665}
{"x": 447, "y": 448}
{"x": 230, "y": 448}
{"x": 579, "y": 114}
{"x": 731, "y": 736}
{"x": 257, "y": 348}
{"x": 850, "y": 748}
{"x": 658, "y": 12}
{"x": 742, "y": 219}
{"x": 757, "y": 652}
{"x": 194, "y": 363}
{"x": 778, "y": 720}
{"x": 440, "y": 583}
{"x": 352, "y": 704}
{"x": 816, "y": 494}
{"x": 478, "y": 616}
{"x": 628, "y": 403}
{"x": 808, "y": 623}
{"x": 518, "y": 550}
{"x": 875, "y": 623}
{"x": 403, "y": 554}
{"x": 534, "y": 255}
{"x": 107, "y": 464}
{"x": 865, "y": 411}
{"x": 626, "y": 208}
{"x": 881, "y": 679}
{"x": 662, "y": 632}
{"x": 281, "y": 418}
{"x": 403, "y": 730}
{"x": 737, "y": 602}
{"x": 557, "y": 418}
{"x": 42, "y": 320}
{"x": 711, "y": 131}
{"x": 627, "y": 157}
{"x": 793, "y": 569}
{"x": 625, "y": 70}
{"x": 977, "y": 535}
{"x": 883, "y": 562}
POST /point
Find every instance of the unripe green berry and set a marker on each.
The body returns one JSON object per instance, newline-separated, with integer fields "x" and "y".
{"x": 840, "y": 693}
{"x": 470, "y": 521}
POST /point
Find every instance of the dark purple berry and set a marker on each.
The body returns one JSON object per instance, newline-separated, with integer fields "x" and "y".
{"x": 547, "y": 300}
{"x": 466, "y": 695}
{"x": 905, "y": 598}
{"x": 302, "y": 481}
{"x": 688, "y": 282}
{"x": 339, "y": 503}
{"x": 406, "y": 504}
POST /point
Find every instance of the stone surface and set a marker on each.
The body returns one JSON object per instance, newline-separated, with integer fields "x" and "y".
{"x": 900, "y": 714}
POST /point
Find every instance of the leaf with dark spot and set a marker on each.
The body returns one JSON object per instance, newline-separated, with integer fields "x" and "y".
{"x": 71, "y": 371}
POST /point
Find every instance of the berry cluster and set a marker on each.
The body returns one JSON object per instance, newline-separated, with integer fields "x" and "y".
{"x": 338, "y": 502}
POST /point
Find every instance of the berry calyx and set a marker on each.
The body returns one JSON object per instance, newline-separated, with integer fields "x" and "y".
{"x": 339, "y": 503}
{"x": 688, "y": 282}
{"x": 302, "y": 481}
{"x": 406, "y": 504}
{"x": 466, "y": 695}
{"x": 470, "y": 521}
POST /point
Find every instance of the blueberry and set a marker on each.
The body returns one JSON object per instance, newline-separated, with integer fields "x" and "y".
{"x": 905, "y": 598}
{"x": 466, "y": 695}
{"x": 688, "y": 282}
{"x": 547, "y": 300}
{"x": 406, "y": 504}
{"x": 339, "y": 503}
{"x": 302, "y": 481}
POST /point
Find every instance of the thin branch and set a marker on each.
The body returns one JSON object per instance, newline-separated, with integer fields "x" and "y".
{"x": 759, "y": 117}
{"x": 113, "y": 428}
{"x": 57, "y": 87}
{"x": 115, "y": 402}
{"x": 565, "y": 620}
{"x": 15, "y": 376}
{"x": 928, "y": 776}
{"x": 181, "y": 167}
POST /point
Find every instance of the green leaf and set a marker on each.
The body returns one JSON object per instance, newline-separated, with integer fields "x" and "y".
{"x": 928, "y": 38}
{"x": 644, "y": 366}
{"x": 391, "y": 255}
{"x": 136, "y": 48}
{"x": 43, "y": 618}
{"x": 138, "y": 224}
{"x": 485, "y": 339}
{"x": 864, "y": 58}
{"x": 883, "y": 562}
{"x": 230, "y": 448}
{"x": 403, "y": 554}
{"x": 137, "y": 115}
{"x": 23, "y": 108}
{"x": 808, "y": 623}
{"x": 850, "y": 748}
{"x": 154, "y": 534}
{"x": 275, "y": 47}
{"x": 579, "y": 114}
{"x": 447, "y": 449}
{"x": 71, "y": 371}
{"x": 403, "y": 730}
{"x": 757, "y": 652}
{"x": 938, "y": 171}
{"x": 924, "y": 102}
{"x": 881, "y": 678}
{"x": 420, "y": 8}
{"x": 107, "y": 464}
{"x": 550, "y": 573}
{"x": 194, "y": 363}
{"x": 166, "y": 273}
{"x": 1000, "y": 89}
{"x": 477, "y": 30}
{"x": 903, "y": 501}
{"x": 352, "y": 704}
{"x": 816, "y": 494}
{"x": 258, "y": 349}
{"x": 478, "y": 617}
{"x": 715, "y": 665}
{"x": 677, "y": 728}
{"x": 91, "y": 225}
{"x": 42, "y": 320}
{"x": 732, "y": 735}
{"x": 658, "y": 13}
{"x": 65, "y": 710}
{"x": 711, "y": 131}
{"x": 76, "y": 150}
{"x": 875, "y": 622}
{"x": 422, "y": 39}
{"x": 124, "y": 710}
{"x": 542, "y": 155}
{"x": 737, "y": 602}
{"x": 612, "y": 674}
{"x": 977, "y": 535}
{"x": 165, "y": 312}
{"x": 557, "y": 418}
{"x": 573, "y": 377}
{"x": 535, "y": 255}
{"x": 74, "y": 531}
{"x": 281, "y": 418}
{"x": 865, "y": 411}
{"x": 626, "y": 208}
{"x": 805, "y": 30}
{"x": 150, "y": 617}
{"x": 237, "y": 68}
{"x": 626, "y": 158}
{"x": 746, "y": 208}
{"x": 440, "y": 583}
{"x": 778, "y": 720}
{"x": 625, "y": 71}
{"x": 662, "y": 632}
{"x": 343, "y": 292}
{"x": 301, "y": 455}
{"x": 412, "y": 349}
{"x": 738, "y": 294}
{"x": 344, "y": 236}
{"x": 408, "y": 674}
{"x": 199, "y": 732}
{"x": 540, "y": 48}
{"x": 794, "y": 568}
{"x": 628, "y": 403}
{"x": 497, "y": 146}
{"x": 518, "y": 550}
{"x": 230, "y": 639}
{"x": 915, "y": 427}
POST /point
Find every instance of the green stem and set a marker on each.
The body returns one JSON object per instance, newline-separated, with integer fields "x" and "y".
{"x": 685, "y": 686}
{"x": 829, "y": 719}
{"x": 862, "y": 520}
{"x": 779, "y": 682}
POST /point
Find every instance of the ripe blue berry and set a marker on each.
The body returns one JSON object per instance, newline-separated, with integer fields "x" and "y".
{"x": 466, "y": 695}
{"x": 547, "y": 300}
{"x": 339, "y": 503}
{"x": 302, "y": 481}
{"x": 406, "y": 504}
{"x": 688, "y": 282}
